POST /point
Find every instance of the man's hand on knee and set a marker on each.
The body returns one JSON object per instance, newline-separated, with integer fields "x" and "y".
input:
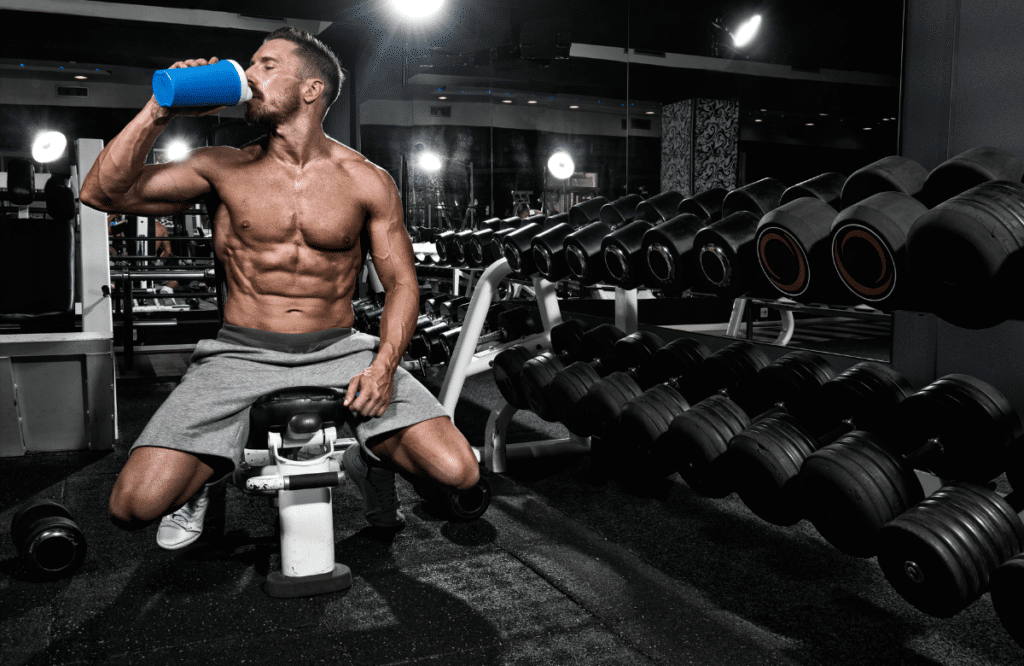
{"x": 369, "y": 392}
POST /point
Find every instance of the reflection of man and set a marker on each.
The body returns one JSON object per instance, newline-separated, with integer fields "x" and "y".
{"x": 163, "y": 252}
{"x": 292, "y": 213}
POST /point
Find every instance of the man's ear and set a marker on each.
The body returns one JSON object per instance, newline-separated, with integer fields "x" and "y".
{"x": 314, "y": 89}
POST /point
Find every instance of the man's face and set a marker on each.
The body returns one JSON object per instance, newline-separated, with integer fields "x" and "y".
{"x": 273, "y": 75}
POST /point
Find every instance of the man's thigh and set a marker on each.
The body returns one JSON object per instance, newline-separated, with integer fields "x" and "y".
{"x": 435, "y": 448}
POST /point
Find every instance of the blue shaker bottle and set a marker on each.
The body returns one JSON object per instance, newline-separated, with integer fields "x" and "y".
{"x": 220, "y": 84}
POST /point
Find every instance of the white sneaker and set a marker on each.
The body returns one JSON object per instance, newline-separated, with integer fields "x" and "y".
{"x": 184, "y": 526}
{"x": 377, "y": 485}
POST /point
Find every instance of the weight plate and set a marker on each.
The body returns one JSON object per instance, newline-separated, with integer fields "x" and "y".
{"x": 1008, "y": 597}
{"x": 567, "y": 337}
{"x": 604, "y": 401}
{"x": 32, "y": 511}
{"x": 765, "y": 460}
{"x": 469, "y": 505}
{"x": 645, "y": 420}
{"x": 868, "y": 393}
{"x": 567, "y": 390}
{"x": 599, "y": 341}
{"x": 52, "y": 547}
{"x": 677, "y": 358}
{"x": 851, "y": 488}
{"x": 940, "y": 554}
{"x": 507, "y": 368}
{"x": 534, "y": 380}
{"x": 976, "y": 424}
{"x": 699, "y": 437}
{"x": 728, "y": 367}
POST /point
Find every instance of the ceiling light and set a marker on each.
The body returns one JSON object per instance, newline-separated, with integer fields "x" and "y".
{"x": 532, "y": 101}
{"x": 822, "y": 114}
{"x": 867, "y": 128}
{"x": 430, "y": 162}
{"x": 442, "y": 97}
{"x": 506, "y": 101}
{"x": 757, "y": 120}
{"x": 418, "y": 8}
{"x": 746, "y": 32}
{"x": 561, "y": 165}
{"x": 809, "y": 124}
{"x": 573, "y": 106}
{"x": 81, "y": 78}
{"x": 650, "y": 113}
{"x": 176, "y": 150}
{"x": 48, "y": 146}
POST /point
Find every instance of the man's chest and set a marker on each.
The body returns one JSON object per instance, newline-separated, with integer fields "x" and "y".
{"x": 320, "y": 207}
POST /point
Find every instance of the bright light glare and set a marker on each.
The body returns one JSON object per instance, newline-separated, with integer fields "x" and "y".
{"x": 176, "y": 151}
{"x": 430, "y": 162}
{"x": 48, "y": 146}
{"x": 561, "y": 165}
{"x": 746, "y": 32}
{"x": 418, "y": 8}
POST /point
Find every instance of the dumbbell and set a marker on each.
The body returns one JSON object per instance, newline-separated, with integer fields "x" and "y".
{"x": 765, "y": 458}
{"x": 583, "y": 248}
{"x": 419, "y": 347}
{"x": 699, "y": 439}
{"x": 504, "y": 325}
{"x": 633, "y": 353}
{"x": 827, "y": 187}
{"x": 958, "y": 427}
{"x": 889, "y": 174}
{"x": 507, "y": 366}
{"x": 1008, "y": 595}
{"x": 432, "y": 304}
{"x": 443, "y": 245}
{"x": 644, "y": 420}
{"x": 49, "y": 542}
{"x": 794, "y": 252}
{"x": 598, "y": 411}
{"x": 968, "y": 170}
{"x": 668, "y": 248}
{"x": 479, "y": 239}
{"x": 460, "y": 246}
{"x": 622, "y": 249}
{"x": 517, "y": 247}
{"x": 967, "y": 254}
{"x": 941, "y": 554}
{"x": 726, "y": 250}
{"x": 549, "y": 246}
{"x": 540, "y": 370}
{"x": 457, "y": 506}
{"x": 868, "y": 247}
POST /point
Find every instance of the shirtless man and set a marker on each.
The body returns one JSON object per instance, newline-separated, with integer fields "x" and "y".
{"x": 291, "y": 214}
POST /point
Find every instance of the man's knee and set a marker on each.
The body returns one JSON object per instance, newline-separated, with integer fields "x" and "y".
{"x": 466, "y": 474}
{"x": 134, "y": 509}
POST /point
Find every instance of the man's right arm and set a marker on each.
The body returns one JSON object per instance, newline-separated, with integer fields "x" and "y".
{"x": 120, "y": 181}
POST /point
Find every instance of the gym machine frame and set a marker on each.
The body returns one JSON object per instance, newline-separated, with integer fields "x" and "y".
{"x": 83, "y": 415}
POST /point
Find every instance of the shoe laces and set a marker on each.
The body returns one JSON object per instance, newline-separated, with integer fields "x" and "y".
{"x": 185, "y": 516}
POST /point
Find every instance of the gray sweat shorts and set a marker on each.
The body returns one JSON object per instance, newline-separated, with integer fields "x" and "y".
{"x": 208, "y": 413}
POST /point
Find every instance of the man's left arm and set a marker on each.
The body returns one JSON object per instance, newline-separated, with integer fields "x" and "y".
{"x": 391, "y": 251}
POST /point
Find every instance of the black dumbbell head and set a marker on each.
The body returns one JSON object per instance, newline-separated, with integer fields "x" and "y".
{"x": 827, "y": 187}
{"x": 968, "y": 254}
{"x": 659, "y": 208}
{"x": 706, "y": 206}
{"x": 698, "y": 439}
{"x": 940, "y": 555}
{"x": 1008, "y": 597}
{"x": 670, "y": 254}
{"x": 869, "y": 248}
{"x": 976, "y": 424}
{"x": 586, "y": 212}
{"x": 794, "y": 251}
{"x": 727, "y": 255}
{"x": 889, "y": 174}
{"x": 506, "y": 369}
{"x": 868, "y": 393}
{"x": 969, "y": 169}
{"x": 643, "y": 423}
{"x": 756, "y": 198}
{"x": 853, "y": 487}
{"x": 764, "y": 461}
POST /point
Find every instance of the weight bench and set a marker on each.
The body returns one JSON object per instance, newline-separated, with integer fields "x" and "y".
{"x": 293, "y": 456}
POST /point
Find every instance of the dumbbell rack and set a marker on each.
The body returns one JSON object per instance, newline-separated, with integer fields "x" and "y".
{"x": 466, "y": 361}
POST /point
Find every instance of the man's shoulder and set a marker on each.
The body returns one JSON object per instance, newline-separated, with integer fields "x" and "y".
{"x": 356, "y": 163}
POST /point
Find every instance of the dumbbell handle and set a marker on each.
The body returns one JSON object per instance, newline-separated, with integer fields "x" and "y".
{"x": 933, "y": 447}
{"x": 295, "y": 481}
{"x": 845, "y": 426}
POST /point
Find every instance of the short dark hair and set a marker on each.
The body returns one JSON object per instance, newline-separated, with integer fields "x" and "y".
{"x": 319, "y": 60}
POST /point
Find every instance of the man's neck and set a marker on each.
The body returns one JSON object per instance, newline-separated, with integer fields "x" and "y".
{"x": 298, "y": 143}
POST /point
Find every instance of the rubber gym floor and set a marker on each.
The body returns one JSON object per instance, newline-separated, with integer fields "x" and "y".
{"x": 564, "y": 568}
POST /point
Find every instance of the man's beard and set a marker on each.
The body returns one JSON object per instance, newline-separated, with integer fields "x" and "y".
{"x": 265, "y": 118}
